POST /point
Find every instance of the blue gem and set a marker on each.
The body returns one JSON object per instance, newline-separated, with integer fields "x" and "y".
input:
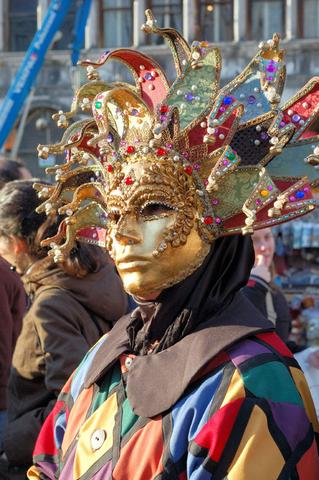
{"x": 148, "y": 76}
{"x": 300, "y": 194}
{"x": 227, "y": 100}
{"x": 134, "y": 112}
{"x": 109, "y": 138}
{"x": 189, "y": 96}
{"x": 251, "y": 99}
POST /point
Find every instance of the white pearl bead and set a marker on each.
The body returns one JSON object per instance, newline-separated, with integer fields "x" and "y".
{"x": 221, "y": 136}
{"x": 305, "y": 105}
{"x": 290, "y": 112}
{"x": 258, "y": 128}
{"x": 274, "y": 140}
{"x": 257, "y": 142}
{"x": 203, "y": 124}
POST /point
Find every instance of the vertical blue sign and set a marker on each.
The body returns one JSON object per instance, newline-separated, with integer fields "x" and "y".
{"x": 32, "y": 62}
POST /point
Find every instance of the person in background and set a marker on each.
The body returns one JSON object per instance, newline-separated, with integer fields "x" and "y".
{"x": 260, "y": 289}
{"x": 72, "y": 305}
{"x": 12, "y": 170}
{"x": 12, "y": 308}
{"x": 12, "y": 299}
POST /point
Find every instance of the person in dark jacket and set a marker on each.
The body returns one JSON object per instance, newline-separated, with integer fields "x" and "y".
{"x": 260, "y": 290}
{"x": 12, "y": 299}
{"x": 13, "y": 304}
{"x": 72, "y": 305}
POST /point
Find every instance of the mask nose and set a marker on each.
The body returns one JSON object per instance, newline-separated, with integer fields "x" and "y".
{"x": 128, "y": 231}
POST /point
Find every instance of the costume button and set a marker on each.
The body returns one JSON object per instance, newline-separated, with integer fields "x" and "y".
{"x": 128, "y": 362}
{"x": 97, "y": 439}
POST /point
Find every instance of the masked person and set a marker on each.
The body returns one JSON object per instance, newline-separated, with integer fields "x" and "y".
{"x": 194, "y": 383}
{"x": 72, "y": 304}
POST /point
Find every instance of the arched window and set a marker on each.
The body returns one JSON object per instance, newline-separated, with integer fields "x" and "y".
{"x": 22, "y": 23}
{"x": 116, "y": 17}
{"x": 265, "y": 17}
{"x": 168, "y": 13}
{"x": 308, "y": 18}
{"x": 215, "y": 19}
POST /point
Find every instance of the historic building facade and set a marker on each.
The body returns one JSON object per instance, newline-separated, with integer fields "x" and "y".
{"x": 236, "y": 25}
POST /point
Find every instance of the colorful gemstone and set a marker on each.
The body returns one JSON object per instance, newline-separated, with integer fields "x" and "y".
{"x": 258, "y": 201}
{"x": 228, "y": 100}
{"x": 222, "y": 109}
{"x": 299, "y": 194}
{"x": 231, "y": 156}
{"x": 306, "y": 189}
{"x": 270, "y": 78}
{"x": 264, "y": 136}
{"x": 134, "y": 112}
{"x": 188, "y": 169}
{"x": 208, "y": 220}
{"x": 225, "y": 163}
{"x": 251, "y": 99}
{"x": 128, "y": 180}
{"x": 130, "y": 149}
{"x": 218, "y": 220}
{"x": 215, "y": 201}
{"x": 271, "y": 68}
{"x": 264, "y": 193}
{"x": 292, "y": 198}
{"x": 98, "y": 105}
{"x": 164, "y": 109}
{"x": 110, "y": 168}
{"x": 196, "y": 166}
{"x": 269, "y": 188}
{"x": 295, "y": 117}
{"x": 148, "y": 76}
{"x": 189, "y": 96}
{"x": 109, "y": 138}
{"x": 161, "y": 152}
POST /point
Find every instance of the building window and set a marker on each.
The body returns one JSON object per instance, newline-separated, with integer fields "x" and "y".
{"x": 168, "y": 14}
{"x": 116, "y": 23}
{"x": 22, "y": 24}
{"x": 308, "y": 18}
{"x": 215, "y": 19}
{"x": 265, "y": 17}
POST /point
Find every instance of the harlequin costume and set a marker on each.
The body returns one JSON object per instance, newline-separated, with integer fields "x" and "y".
{"x": 194, "y": 383}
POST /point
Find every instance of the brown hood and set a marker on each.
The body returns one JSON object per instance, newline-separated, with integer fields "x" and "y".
{"x": 100, "y": 292}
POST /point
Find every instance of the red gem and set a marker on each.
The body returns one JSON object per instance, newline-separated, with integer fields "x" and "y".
{"x": 110, "y": 168}
{"x": 164, "y": 109}
{"x": 129, "y": 180}
{"x": 208, "y": 220}
{"x": 188, "y": 170}
{"x": 161, "y": 152}
{"x": 130, "y": 149}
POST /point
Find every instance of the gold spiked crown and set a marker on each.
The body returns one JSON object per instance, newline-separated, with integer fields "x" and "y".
{"x": 251, "y": 161}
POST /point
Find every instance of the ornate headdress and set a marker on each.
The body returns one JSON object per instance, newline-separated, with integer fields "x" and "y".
{"x": 249, "y": 161}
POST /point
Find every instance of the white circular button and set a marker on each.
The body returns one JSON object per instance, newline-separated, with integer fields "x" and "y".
{"x": 98, "y": 438}
{"x": 128, "y": 362}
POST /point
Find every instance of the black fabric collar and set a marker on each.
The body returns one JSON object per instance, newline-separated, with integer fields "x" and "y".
{"x": 156, "y": 381}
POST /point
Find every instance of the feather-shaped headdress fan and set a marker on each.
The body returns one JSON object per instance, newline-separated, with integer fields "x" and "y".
{"x": 253, "y": 161}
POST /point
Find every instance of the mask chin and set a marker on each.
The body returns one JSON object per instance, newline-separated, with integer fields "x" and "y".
{"x": 166, "y": 270}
